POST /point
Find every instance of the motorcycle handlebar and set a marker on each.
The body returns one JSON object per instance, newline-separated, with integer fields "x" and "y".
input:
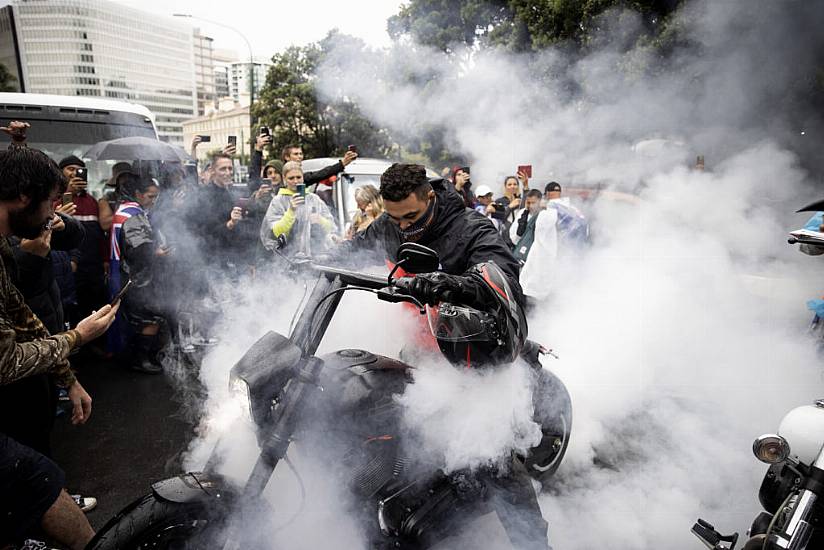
{"x": 796, "y": 240}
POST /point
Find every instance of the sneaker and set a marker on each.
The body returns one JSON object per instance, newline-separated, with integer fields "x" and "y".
{"x": 86, "y": 504}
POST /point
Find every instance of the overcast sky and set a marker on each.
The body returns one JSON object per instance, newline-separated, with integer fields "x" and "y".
{"x": 272, "y": 26}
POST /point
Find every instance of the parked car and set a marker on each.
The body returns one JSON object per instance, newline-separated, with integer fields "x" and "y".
{"x": 363, "y": 171}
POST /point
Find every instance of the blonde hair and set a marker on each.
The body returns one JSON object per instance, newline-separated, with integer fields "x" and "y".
{"x": 289, "y": 166}
{"x": 370, "y": 195}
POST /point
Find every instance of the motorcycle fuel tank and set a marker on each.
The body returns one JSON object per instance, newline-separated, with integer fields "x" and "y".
{"x": 803, "y": 428}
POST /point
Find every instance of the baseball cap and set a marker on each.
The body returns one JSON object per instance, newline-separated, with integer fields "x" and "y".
{"x": 482, "y": 191}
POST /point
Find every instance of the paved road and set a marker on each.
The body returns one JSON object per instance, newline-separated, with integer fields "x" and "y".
{"x": 135, "y": 436}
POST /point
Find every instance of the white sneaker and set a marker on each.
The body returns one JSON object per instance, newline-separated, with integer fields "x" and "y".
{"x": 86, "y": 504}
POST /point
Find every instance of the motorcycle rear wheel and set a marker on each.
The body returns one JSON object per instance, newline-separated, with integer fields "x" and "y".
{"x": 163, "y": 525}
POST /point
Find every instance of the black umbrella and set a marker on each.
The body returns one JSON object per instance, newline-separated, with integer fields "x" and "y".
{"x": 136, "y": 148}
{"x": 816, "y": 206}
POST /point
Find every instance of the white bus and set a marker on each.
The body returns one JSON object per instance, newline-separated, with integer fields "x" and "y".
{"x": 68, "y": 125}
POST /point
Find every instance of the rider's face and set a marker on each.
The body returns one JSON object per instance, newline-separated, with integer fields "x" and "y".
{"x": 409, "y": 210}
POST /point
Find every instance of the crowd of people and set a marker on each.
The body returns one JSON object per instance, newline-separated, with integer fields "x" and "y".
{"x": 112, "y": 272}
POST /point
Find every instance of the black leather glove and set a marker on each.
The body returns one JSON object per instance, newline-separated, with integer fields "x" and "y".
{"x": 431, "y": 288}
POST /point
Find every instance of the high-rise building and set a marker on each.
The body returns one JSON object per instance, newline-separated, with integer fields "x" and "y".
{"x": 239, "y": 77}
{"x": 102, "y": 49}
{"x": 223, "y": 62}
{"x": 221, "y": 82}
{"x": 204, "y": 71}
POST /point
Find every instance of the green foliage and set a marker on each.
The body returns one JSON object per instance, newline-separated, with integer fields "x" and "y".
{"x": 289, "y": 104}
{"x": 517, "y": 25}
{"x": 7, "y": 80}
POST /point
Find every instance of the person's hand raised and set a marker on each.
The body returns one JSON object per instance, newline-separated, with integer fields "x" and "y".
{"x": 68, "y": 209}
{"x": 39, "y": 246}
{"x": 96, "y": 324}
{"x": 349, "y": 157}
{"x": 296, "y": 202}
{"x": 524, "y": 180}
{"x": 17, "y": 130}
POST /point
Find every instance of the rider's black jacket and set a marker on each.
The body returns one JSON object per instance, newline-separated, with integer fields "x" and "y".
{"x": 461, "y": 236}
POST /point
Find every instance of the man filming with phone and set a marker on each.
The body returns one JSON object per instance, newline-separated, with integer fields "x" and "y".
{"x": 96, "y": 218}
{"x": 214, "y": 216}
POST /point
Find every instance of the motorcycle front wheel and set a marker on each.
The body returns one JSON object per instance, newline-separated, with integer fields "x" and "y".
{"x": 163, "y": 525}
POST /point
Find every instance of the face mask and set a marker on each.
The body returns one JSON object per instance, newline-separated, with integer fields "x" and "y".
{"x": 415, "y": 231}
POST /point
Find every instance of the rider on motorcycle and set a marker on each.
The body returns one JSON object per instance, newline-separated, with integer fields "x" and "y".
{"x": 431, "y": 213}
{"x": 478, "y": 281}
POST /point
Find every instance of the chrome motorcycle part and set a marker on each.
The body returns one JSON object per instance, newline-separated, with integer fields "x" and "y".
{"x": 771, "y": 449}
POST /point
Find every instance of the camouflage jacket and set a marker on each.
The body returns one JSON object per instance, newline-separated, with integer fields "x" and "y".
{"x": 26, "y": 347}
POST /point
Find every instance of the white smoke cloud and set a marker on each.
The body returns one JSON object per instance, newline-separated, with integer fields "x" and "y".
{"x": 680, "y": 333}
{"x": 468, "y": 419}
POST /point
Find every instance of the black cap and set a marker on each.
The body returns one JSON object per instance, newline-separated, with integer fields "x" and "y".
{"x": 552, "y": 186}
{"x": 71, "y": 160}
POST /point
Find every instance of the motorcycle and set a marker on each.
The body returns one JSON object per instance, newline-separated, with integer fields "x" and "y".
{"x": 400, "y": 505}
{"x": 792, "y": 492}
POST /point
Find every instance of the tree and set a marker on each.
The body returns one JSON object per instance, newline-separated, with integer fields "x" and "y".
{"x": 7, "y": 80}
{"x": 291, "y": 105}
{"x": 517, "y": 25}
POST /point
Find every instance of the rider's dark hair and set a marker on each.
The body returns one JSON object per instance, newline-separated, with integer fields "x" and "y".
{"x": 535, "y": 193}
{"x": 28, "y": 172}
{"x": 401, "y": 180}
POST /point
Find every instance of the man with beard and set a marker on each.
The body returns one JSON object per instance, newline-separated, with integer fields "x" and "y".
{"x": 432, "y": 213}
{"x": 477, "y": 270}
{"x": 31, "y": 485}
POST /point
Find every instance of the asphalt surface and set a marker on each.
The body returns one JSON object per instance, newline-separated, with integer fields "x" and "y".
{"x": 136, "y": 435}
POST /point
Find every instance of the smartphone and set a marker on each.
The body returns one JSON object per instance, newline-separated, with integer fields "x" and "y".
{"x": 301, "y": 188}
{"x": 205, "y": 139}
{"x": 243, "y": 204}
{"x": 352, "y": 148}
{"x": 121, "y": 293}
{"x": 526, "y": 169}
{"x": 264, "y": 131}
{"x": 67, "y": 198}
{"x": 233, "y": 141}
{"x": 81, "y": 173}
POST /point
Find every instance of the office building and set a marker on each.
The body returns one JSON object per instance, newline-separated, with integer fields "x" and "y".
{"x": 102, "y": 49}
{"x": 239, "y": 77}
{"x": 204, "y": 71}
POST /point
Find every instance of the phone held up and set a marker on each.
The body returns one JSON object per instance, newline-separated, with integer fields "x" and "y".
{"x": 301, "y": 189}
{"x": 205, "y": 139}
{"x": 67, "y": 198}
{"x": 526, "y": 169}
{"x": 233, "y": 141}
{"x": 82, "y": 173}
{"x": 122, "y": 293}
{"x": 353, "y": 148}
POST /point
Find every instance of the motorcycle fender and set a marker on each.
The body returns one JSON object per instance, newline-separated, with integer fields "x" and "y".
{"x": 192, "y": 487}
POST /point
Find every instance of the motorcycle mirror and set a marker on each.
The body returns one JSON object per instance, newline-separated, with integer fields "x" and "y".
{"x": 416, "y": 258}
{"x": 816, "y": 206}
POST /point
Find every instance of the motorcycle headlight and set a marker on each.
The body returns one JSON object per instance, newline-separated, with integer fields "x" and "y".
{"x": 771, "y": 449}
{"x": 240, "y": 389}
